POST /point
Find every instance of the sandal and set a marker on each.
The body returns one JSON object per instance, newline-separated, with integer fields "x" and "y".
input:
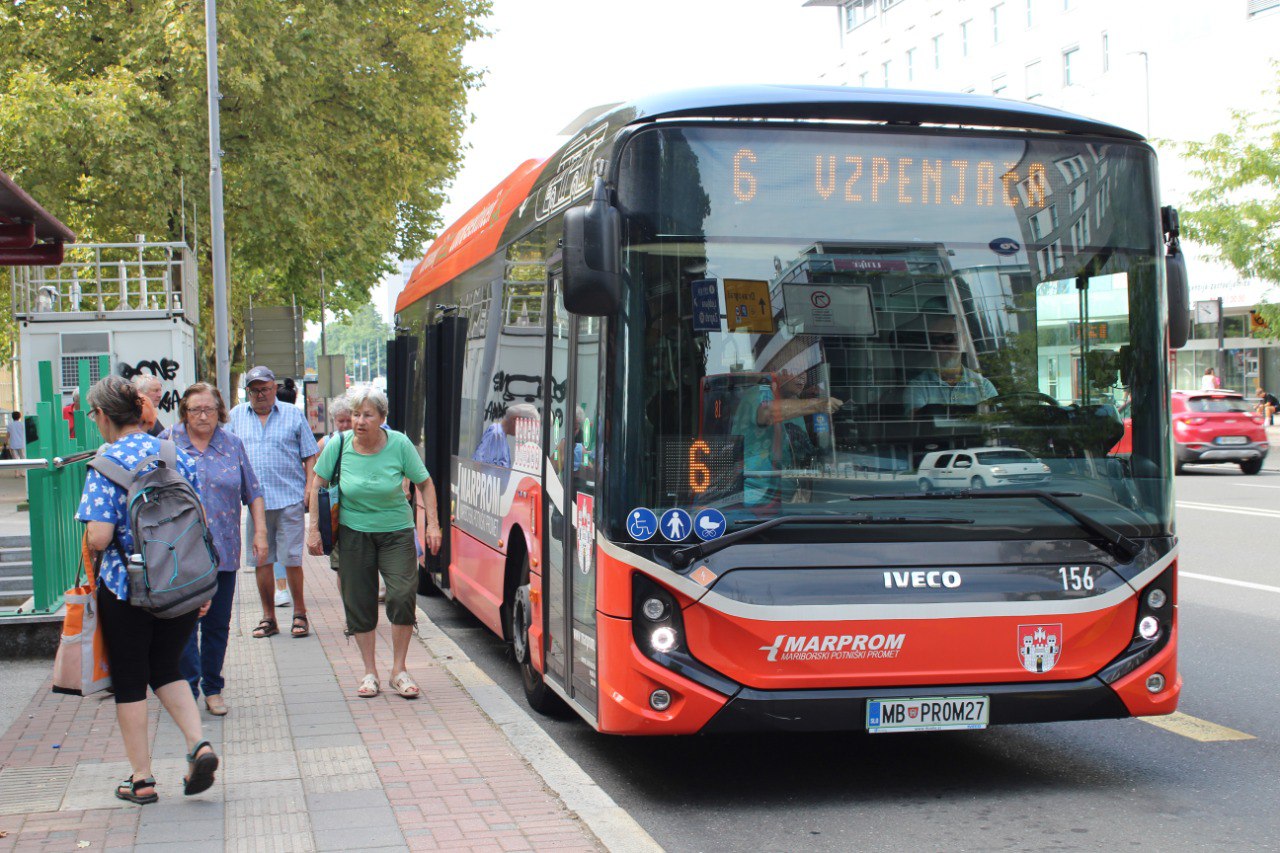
{"x": 201, "y": 766}
{"x": 266, "y": 628}
{"x": 369, "y": 686}
{"x": 301, "y": 627}
{"x": 128, "y": 790}
{"x": 405, "y": 686}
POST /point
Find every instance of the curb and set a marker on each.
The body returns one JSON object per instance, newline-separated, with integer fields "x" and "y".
{"x": 608, "y": 821}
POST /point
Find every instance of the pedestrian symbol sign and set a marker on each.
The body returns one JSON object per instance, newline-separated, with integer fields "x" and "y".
{"x": 747, "y": 306}
{"x": 676, "y": 525}
{"x": 642, "y": 524}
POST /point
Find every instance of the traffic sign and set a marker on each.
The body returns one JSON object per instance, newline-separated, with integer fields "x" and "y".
{"x": 747, "y": 306}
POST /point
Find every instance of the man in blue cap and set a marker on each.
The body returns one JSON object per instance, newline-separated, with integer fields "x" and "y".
{"x": 282, "y": 450}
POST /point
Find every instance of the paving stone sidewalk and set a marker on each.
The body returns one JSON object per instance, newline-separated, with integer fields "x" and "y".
{"x": 306, "y": 764}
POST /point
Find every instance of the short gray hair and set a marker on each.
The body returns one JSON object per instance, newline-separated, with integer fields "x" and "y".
{"x": 142, "y": 380}
{"x": 340, "y": 406}
{"x": 368, "y": 394}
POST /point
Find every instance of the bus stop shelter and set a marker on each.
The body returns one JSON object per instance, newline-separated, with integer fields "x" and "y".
{"x": 29, "y": 234}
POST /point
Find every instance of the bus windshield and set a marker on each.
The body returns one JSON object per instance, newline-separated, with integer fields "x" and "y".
{"x": 814, "y": 311}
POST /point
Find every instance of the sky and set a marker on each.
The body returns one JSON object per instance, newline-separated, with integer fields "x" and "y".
{"x": 549, "y": 60}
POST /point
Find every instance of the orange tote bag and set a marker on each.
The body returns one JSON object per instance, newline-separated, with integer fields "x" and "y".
{"x": 80, "y": 666}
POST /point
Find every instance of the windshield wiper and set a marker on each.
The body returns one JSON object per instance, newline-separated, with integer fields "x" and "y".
{"x": 685, "y": 556}
{"x": 1121, "y": 547}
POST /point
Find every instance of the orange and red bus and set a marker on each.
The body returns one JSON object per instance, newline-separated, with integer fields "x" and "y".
{"x": 676, "y": 383}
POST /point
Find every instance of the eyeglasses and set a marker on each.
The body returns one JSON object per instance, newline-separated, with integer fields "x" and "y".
{"x": 260, "y": 391}
{"x": 202, "y": 411}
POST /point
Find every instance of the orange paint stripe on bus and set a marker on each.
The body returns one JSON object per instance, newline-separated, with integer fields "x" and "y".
{"x": 472, "y": 238}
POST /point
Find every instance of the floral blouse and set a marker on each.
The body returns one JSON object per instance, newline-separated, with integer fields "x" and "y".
{"x": 226, "y": 481}
{"x": 103, "y": 500}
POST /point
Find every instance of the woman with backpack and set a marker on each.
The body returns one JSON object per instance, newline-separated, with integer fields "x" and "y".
{"x": 143, "y": 649}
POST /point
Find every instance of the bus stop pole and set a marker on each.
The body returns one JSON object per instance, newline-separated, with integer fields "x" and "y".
{"x": 222, "y": 344}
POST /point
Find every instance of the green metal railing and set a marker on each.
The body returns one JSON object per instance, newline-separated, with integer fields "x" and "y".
{"x": 54, "y": 490}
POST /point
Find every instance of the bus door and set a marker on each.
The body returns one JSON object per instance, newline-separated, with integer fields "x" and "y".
{"x": 442, "y": 396}
{"x": 569, "y": 436}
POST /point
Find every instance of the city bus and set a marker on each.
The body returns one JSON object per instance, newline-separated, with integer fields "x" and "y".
{"x": 676, "y": 383}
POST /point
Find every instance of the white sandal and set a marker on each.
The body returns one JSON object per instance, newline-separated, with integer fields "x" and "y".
{"x": 369, "y": 686}
{"x": 405, "y": 686}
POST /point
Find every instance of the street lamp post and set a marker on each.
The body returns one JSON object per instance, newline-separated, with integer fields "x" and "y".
{"x": 1146, "y": 76}
{"x": 221, "y": 334}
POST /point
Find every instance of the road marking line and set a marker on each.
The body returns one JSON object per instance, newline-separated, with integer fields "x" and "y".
{"x": 1229, "y": 582}
{"x": 1255, "y": 486}
{"x": 1236, "y": 510}
{"x": 1195, "y": 728}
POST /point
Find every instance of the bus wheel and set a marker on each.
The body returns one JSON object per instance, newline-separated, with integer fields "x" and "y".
{"x": 536, "y": 692}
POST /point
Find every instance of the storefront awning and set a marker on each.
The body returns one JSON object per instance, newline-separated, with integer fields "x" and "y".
{"x": 29, "y": 234}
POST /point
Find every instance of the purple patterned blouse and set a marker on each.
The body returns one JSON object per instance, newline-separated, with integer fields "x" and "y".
{"x": 226, "y": 481}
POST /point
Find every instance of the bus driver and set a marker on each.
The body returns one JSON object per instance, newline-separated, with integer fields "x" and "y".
{"x": 951, "y": 385}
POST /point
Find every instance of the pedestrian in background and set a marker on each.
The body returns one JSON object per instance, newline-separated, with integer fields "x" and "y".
{"x": 142, "y": 649}
{"x": 281, "y": 450}
{"x": 227, "y": 481}
{"x": 286, "y": 392}
{"x": 151, "y": 388}
{"x": 1210, "y": 381}
{"x": 376, "y": 530}
{"x": 1267, "y": 405}
{"x": 340, "y": 409}
{"x": 69, "y": 412}
{"x": 17, "y": 439}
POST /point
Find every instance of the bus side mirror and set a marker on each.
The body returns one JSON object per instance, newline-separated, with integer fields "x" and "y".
{"x": 592, "y": 256}
{"x": 1175, "y": 276}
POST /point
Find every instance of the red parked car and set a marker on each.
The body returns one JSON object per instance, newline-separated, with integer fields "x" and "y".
{"x": 1217, "y": 426}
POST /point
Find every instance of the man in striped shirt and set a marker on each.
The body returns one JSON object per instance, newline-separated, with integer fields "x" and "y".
{"x": 282, "y": 450}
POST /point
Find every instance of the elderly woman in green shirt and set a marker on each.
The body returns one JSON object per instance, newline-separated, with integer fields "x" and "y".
{"x": 376, "y": 530}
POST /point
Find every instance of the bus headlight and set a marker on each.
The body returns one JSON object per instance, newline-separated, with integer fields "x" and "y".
{"x": 1155, "y": 683}
{"x": 1156, "y": 599}
{"x": 1149, "y": 628}
{"x": 654, "y": 609}
{"x": 663, "y": 639}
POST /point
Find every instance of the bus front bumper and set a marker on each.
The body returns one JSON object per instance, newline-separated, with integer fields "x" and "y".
{"x": 846, "y": 709}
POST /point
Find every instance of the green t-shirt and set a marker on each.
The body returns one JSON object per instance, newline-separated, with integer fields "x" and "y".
{"x": 370, "y": 487}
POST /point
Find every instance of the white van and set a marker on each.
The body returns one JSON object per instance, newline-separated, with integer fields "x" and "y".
{"x": 980, "y": 468}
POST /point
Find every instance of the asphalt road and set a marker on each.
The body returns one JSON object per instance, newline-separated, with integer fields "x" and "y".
{"x": 1122, "y": 784}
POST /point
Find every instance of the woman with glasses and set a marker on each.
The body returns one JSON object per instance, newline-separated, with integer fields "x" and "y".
{"x": 142, "y": 648}
{"x": 226, "y": 481}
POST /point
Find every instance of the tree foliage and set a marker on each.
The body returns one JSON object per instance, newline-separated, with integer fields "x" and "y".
{"x": 1235, "y": 212}
{"x": 342, "y": 121}
{"x": 362, "y": 339}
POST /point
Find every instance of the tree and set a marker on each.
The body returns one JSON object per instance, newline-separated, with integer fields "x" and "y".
{"x": 341, "y": 123}
{"x": 363, "y": 340}
{"x": 1235, "y": 212}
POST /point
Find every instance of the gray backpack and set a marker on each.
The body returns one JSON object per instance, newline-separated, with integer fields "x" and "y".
{"x": 174, "y": 567}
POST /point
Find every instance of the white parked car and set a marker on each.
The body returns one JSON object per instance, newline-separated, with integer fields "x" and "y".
{"x": 980, "y": 468}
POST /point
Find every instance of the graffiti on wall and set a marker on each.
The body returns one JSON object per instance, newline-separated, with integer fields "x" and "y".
{"x": 166, "y": 370}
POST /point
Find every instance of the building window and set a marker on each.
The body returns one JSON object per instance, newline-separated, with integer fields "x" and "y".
{"x": 858, "y": 12}
{"x": 1033, "y": 80}
{"x": 1106, "y": 52}
{"x": 937, "y": 52}
{"x": 886, "y": 5}
{"x": 999, "y": 83}
{"x": 862, "y": 79}
{"x": 1068, "y": 63}
{"x": 885, "y": 68}
{"x": 964, "y": 37}
{"x": 1030, "y": 8}
{"x": 995, "y": 23}
{"x": 911, "y": 64}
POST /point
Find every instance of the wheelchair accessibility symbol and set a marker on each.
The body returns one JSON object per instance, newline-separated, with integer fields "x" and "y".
{"x": 642, "y": 524}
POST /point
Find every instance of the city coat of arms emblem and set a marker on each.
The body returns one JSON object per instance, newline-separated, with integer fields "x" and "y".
{"x": 1039, "y": 646}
